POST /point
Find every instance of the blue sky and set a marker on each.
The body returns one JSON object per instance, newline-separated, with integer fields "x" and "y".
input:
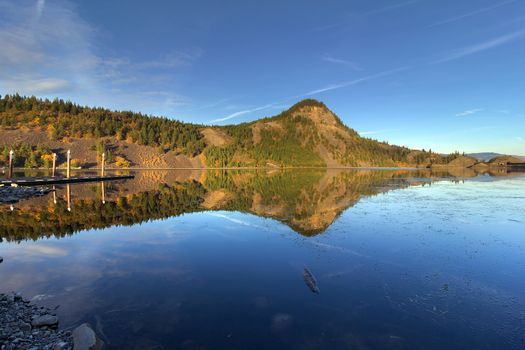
{"x": 441, "y": 74}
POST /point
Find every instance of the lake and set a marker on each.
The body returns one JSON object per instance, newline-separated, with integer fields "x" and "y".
{"x": 216, "y": 259}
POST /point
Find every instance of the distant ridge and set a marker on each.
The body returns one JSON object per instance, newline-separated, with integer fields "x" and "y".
{"x": 486, "y": 156}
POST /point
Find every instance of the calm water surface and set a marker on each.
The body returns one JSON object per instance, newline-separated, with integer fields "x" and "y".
{"x": 214, "y": 260}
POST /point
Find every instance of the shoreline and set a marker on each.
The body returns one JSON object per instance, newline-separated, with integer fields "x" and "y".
{"x": 231, "y": 168}
{"x": 25, "y": 325}
{"x": 435, "y": 168}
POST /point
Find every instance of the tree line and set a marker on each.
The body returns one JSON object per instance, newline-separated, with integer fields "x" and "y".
{"x": 62, "y": 119}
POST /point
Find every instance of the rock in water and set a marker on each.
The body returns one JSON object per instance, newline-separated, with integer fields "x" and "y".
{"x": 1, "y": 259}
{"x": 45, "y": 321}
{"x": 84, "y": 338}
{"x": 310, "y": 281}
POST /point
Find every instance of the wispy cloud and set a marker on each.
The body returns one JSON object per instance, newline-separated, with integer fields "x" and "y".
{"x": 213, "y": 104}
{"x": 469, "y": 112}
{"x": 36, "y": 86}
{"x": 49, "y": 50}
{"x": 243, "y": 112}
{"x": 374, "y": 132}
{"x": 394, "y": 6}
{"x": 518, "y": 138}
{"x": 281, "y": 103}
{"x": 472, "y": 13}
{"x": 236, "y": 221}
{"x": 352, "y": 65}
{"x": 355, "y": 81}
{"x": 172, "y": 59}
{"x": 486, "y": 45}
{"x": 40, "y": 7}
{"x": 348, "y": 20}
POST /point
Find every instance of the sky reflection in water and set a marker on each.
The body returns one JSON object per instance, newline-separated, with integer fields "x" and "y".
{"x": 435, "y": 266}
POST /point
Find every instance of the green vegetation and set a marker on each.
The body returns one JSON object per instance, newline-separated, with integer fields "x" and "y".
{"x": 102, "y": 147}
{"x": 58, "y": 221}
{"x": 430, "y": 157}
{"x": 65, "y": 119}
{"x": 305, "y": 135}
{"x": 286, "y": 185}
{"x": 306, "y": 200}
{"x": 290, "y": 196}
{"x": 26, "y": 156}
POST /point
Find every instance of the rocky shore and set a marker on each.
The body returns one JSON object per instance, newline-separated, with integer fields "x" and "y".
{"x": 26, "y": 326}
{"x": 13, "y": 194}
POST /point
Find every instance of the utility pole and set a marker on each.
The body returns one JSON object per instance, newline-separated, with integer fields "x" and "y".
{"x": 68, "y": 163}
{"x": 103, "y": 192}
{"x": 11, "y": 161}
{"x": 54, "y": 164}
{"x": 68, "y": 195}
{"x": 103, "y": 161}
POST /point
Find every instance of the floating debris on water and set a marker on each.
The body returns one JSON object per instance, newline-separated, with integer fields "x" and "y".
{"x": 310, "y": 281}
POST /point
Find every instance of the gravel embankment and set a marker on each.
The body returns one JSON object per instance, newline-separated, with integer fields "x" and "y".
{"x": 26, "y": 326}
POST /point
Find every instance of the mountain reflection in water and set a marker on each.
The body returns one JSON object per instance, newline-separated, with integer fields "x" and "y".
{"x": 308, "y": 201}
{"x": 402, "y": 259}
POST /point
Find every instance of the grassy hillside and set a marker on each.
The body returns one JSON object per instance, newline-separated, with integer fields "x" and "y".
{"x": 307, "y": 134}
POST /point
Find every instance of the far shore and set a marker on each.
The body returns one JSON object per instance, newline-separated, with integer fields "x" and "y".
{"x": 436, "y": 168}
{"x": 226, "y": 168}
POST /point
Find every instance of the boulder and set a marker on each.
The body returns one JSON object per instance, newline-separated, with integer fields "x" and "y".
{"x": 84, "y": 338}
{"x": 45, "y": 321}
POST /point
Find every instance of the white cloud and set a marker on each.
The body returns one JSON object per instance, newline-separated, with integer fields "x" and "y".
{"x": 394, "y": 6}
{"x": 243, "y": 112}
{"x": 37, "y": 87}
{"x": 280, "y": 104}
{"x": 472, "y": 13}
{"x": 40, "y": 7}
{"x": 355, "y": 81}
{"x": 235, "y": 220}
{"x": 489, "y": 44}
{"x": 348, "y": 20}
{"x": 47, "y": 49}
{"x": 172, "y": 59}
{"x": 347, "y": 63}
{"x": 373, "y": 132}
{"x": 469, "y": 112}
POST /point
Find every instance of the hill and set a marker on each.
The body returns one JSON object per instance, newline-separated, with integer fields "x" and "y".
{"x": 484, "y": 156}
{"x": 487, "y": 156}
{"x": 503, "y": 160}
{"x": 308, "y": 134}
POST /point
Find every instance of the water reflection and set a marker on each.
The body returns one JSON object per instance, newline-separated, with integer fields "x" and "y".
{"x": 212, "y": 260}
{"x": 307, "y": 201}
